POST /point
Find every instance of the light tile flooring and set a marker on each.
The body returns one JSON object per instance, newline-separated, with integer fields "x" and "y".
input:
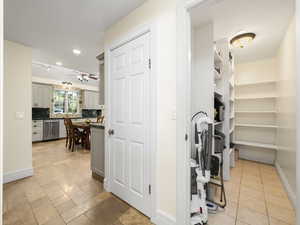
{"x": 63, "y": 192}
{"x": 255, "y": 196}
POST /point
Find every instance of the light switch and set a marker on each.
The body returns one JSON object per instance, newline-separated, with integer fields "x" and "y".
{"x": 20, "y": 115}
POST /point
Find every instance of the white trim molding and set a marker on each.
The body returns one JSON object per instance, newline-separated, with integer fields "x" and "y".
{"x": 287, "y": 186}
{"x": 17, "y": 175}
{"x": 163, "y": 218}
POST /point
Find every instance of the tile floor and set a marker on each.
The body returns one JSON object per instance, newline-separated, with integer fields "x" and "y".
{"x": 63, "y": 192}
{"x": 255, "y": 196}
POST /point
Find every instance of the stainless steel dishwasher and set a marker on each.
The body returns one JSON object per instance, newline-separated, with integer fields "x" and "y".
{"x": 51, "y": 130}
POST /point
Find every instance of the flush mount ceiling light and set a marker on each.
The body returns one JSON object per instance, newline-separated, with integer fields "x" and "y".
{"x": 59, "y": 63}
{"x": 242, "y": 40}
{"x": 76, "y": 51}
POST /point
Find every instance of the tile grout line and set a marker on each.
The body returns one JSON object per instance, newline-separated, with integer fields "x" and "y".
{"x": 238, "y": 203}
{"x": 267, "y": 210}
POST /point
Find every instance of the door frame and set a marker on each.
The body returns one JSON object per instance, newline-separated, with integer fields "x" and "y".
{"x": 131, "y": 35}
{"x": 183, "y": 99}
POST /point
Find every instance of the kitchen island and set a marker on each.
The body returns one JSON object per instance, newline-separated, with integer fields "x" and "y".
{"x": 97, "y": 150}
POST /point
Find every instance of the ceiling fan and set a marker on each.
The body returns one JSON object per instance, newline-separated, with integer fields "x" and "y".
{"x": 85, "y": 77}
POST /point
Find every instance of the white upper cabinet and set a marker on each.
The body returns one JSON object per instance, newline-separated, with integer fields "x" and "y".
{"x": 41, "y": 95}
{"x": 91, "y": 100}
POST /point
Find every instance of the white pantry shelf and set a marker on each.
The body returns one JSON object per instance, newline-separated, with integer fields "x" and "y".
{"x": 217, "y": 75}
{"x": 256, "y": 126}
{"x": 256, "y": 83}
{"x": 218, "y": 123}
{"x": 255, "y": 97}
{"x": 255, "y": 144}
{"x": 218, "y": 58}
{"x": 218, "y": 93}
{"x": 256, "y": 112}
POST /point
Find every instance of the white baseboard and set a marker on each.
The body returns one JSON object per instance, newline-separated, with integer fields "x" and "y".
{"x": 99, "y": 172}
{"x": 291, "y": 194}
{"x": 163, "y": 218}
{"x": 105, "y": 185}
{"x": 16, "y": 175}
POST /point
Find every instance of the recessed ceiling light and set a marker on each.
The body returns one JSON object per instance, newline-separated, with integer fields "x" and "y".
{"x": 76, "y": 51}
{"x": 242, "y": 40}
{"x": 59, "y": 63}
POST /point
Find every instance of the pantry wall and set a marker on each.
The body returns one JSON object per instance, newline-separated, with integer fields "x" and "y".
{"x": 266, "y": 108}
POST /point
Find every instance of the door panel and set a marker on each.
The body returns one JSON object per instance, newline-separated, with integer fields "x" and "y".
{"x": 130, "y": 113}
{"x": 136, "y": 168}
{"x": 119, "y": 153}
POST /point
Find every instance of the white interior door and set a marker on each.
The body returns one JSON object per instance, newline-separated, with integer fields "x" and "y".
{"x": 130, "y": 120}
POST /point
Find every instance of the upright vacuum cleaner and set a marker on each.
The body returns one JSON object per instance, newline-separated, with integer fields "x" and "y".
{"x": 200, "y": 167}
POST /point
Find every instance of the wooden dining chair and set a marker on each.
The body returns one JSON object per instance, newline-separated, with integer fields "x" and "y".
{"x": 100, "y": 119}
{"x": 67, "y": 132}
{"x": 74, "y": 135}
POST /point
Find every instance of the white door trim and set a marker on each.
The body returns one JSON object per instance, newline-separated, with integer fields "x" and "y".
{"x": 183, "y": 101}
{"x": 1, "y": 105}
{"x": 148, "y": 28}
{"x": 298, "y": 111}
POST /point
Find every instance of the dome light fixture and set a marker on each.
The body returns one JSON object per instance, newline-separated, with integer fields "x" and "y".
{"x": 76, "y": 52}
{"x": 242, "y": 40}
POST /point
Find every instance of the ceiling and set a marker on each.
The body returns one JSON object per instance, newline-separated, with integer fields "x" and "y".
{"x": 54, "y": 27}
{"x": 58, "y": 73}
{"x": 267, "y": 18}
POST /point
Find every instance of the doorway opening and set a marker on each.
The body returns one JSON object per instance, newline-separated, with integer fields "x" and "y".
{"x": 239, "y": 65}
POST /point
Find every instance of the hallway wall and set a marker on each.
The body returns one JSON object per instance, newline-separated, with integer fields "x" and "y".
{"x": 17, "y": 150}
{"x": 286, "y": 107}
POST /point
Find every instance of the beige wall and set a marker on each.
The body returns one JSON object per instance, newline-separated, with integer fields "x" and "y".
{"x": 256, "y": 71}
{"x": 163, "y": 14}
{"x": 17, "y": 150}
{"x": 286, "y": 156}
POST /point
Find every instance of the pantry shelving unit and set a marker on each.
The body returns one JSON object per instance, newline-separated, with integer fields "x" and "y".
{"x": 255, "y": 103}
{"x": 224, "y": 90}
{"x": 212, "y": 77}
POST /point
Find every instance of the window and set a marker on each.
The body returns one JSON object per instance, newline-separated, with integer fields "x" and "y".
{"x": 66, "y": 102}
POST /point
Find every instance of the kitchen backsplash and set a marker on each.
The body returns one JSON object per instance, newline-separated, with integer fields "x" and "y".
{"x": 40, "y": 113}
{"x": 44, "y": 113}
{"x": 90, "y": 113}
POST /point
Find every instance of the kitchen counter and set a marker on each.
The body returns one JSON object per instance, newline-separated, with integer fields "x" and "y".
{"x": 98, "y": 125}
{"x": 75, "y": 118}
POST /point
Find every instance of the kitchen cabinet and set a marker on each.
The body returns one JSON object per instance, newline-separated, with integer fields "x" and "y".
{"x": 41, "y": 95}
{"x": 91, "y": 100}
{"x": 97, "y": 150}
{"x": 37, "y": 130}
{"x": 62, "y": 129}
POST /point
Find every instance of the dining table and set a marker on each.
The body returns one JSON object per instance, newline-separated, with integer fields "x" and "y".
{"x": 86, "y": 131}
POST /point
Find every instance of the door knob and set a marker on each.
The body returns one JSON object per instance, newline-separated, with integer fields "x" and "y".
{"x": 111, "y": 132}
